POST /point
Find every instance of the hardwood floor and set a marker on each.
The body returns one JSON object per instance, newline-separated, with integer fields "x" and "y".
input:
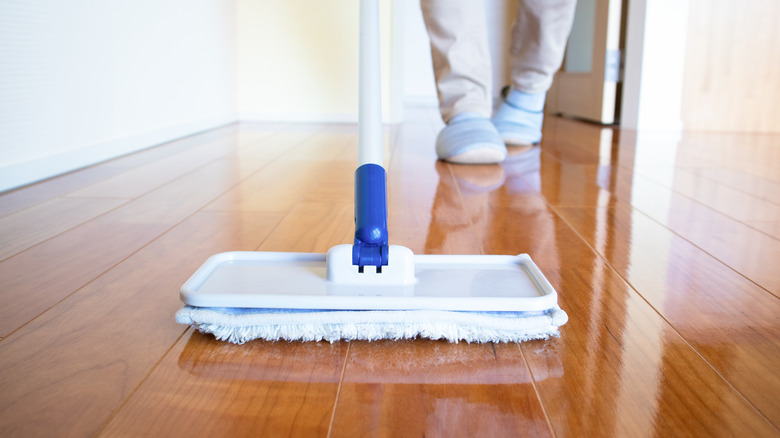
{"x": 665, "y": 252}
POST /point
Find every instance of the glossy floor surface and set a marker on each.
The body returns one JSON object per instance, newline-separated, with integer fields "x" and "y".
{"x": 664, "y": 249}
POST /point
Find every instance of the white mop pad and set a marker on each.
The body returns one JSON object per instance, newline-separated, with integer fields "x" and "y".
{"x": 239, "y": 325}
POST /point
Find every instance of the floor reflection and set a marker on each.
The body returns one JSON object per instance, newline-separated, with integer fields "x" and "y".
{"x": 425, "y": 387}
{"x": 205, "y": 357}
{"x": 424, "y": 361}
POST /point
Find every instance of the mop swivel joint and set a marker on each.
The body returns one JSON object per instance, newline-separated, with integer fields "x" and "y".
{"x": 369, "y": 255}
{"x": 371, "y": 239}
{"x": 399, "y": 270}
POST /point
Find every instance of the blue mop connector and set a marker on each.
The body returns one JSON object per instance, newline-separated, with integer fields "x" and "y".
{"x": 371, "y": 243}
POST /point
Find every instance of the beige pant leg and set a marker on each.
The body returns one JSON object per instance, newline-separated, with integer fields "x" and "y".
{"x": 539, "y": 41}
{"x": 461, "y": 57}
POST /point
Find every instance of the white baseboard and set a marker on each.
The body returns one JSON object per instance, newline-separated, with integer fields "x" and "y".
{"x": 390, "y": 117}
{"x": 311, "y": 117}
{"x": 20, "y": 174}
{"x": 421, "y": 101}
{"x": 255, "y": 116}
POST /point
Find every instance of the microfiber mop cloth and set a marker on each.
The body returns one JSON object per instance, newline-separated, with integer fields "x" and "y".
{"x": 239, "y": 325}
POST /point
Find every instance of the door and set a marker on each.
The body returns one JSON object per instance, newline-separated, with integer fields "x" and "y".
{"x": 587, "y": 84}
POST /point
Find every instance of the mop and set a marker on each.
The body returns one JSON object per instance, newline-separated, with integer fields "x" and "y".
{"x": 370, "y": 290}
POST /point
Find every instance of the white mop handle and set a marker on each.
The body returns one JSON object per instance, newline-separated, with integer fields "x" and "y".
{"x": 370, "y": 103}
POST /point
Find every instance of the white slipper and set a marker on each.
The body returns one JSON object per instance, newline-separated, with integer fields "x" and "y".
{"x": 519, "y": 118}
{"x": 470, "y": 139}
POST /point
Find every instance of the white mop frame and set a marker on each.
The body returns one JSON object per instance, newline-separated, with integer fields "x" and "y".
{"x": 239, "y": 296}
{"x": 300, "y": 281}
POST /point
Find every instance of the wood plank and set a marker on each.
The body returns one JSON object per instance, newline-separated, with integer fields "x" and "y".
{"x": 736, "y": 244}
{"x": 143, "y": 179}
{"x": 692, "y": 161}
{"x": 180, "y": 198}
{"x": 731, "y": 202}
{"x": 31, "y": 226}
{"x": 429, "y": 225}
{"x": 44, "y": 275}
{"x": 292, "y": 185}
{"x": 313, "y": 227}
{"x": 282, "y": 183}
{"x": 620, "y": 354}
{"x": 424, "y": 213}
{"x": 40, "y": 277}
{"x": 329, "y": 144}
{"x": 747, "y": 153}
{"x": 30, "y": 195}
{"x": 256, "y": 145}
{"x": 759, "y": 187}
{"x": 624, "y": 363}
{"x": 511, "y": 214}
{"x": 434, "y": 388}
{"x": 736, "y": 194}
{"x": 746, "y": 162}
{"x": 148, "y": 176}
{"x": 165, "y": 150}
{"x": 729, "y": 320}
{"x": 335, "y": 184}
{"x": 705, "y": 300}
{"x": 204, "y": 387}
{"x": 68, "y": 370}
{"x": 273, "y": 189}
{"x": 771, "y": 228}
{"x": 628, "y": 373}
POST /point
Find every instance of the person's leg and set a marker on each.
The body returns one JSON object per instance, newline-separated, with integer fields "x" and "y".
{"x": 538, "y": 45}
{"x": 460, "y": 54}
{"x": 462, "y": 68}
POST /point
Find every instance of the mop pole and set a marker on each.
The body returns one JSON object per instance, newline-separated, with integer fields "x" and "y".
{"x": 371, "y": 237}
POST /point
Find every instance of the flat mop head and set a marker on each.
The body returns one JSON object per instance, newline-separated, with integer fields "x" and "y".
{"x": 240, "y": 296}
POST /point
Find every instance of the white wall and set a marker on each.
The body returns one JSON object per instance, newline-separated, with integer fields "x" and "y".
{"x": 82, "y": 81}
{"x": 298, "y": 60}
{"x": 654, "y": 65}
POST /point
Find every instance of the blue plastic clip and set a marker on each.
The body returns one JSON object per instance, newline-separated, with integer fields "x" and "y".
{"x": 371, "y": 243}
